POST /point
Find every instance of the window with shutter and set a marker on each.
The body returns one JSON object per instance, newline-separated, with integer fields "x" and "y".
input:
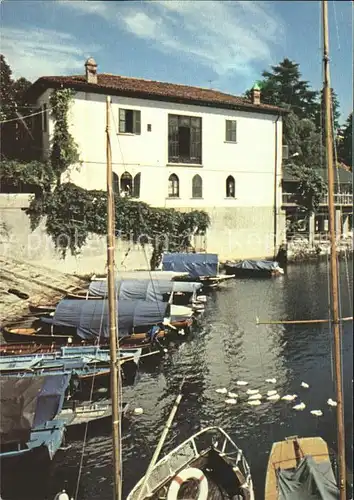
{"x": 173, "y": 186}
{"x": 184, "y": 139}
{"x": 136, "y": 186}
{"x": 197, "y": 187}
{"x": 230, "y": 187}
{"x": 129, "y": 121}
{"x": 230, "y": 135}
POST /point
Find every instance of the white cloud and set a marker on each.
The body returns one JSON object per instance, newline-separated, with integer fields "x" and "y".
{"x": 224, "y": 36}
{"x": 34, "y": 52}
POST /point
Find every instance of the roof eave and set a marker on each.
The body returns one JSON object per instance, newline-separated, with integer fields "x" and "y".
{"x": 41, "y": 85}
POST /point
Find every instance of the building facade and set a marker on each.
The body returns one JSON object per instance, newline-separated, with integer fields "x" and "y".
{"x": 180, "y": 147}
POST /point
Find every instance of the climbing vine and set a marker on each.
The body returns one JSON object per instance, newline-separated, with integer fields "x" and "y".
{"x": 73, "y": 213}
{"x": 64, "y": 150}
{"x": 34, "y": 176}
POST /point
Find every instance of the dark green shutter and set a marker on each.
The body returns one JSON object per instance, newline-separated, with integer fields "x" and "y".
{"x": 122, "y": 121}
{"x": 136, "y": 122}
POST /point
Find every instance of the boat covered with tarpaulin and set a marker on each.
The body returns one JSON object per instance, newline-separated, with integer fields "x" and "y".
{"x": 300, "y": 469}
{"x": 253, "y": 268}
{"x": 195, "y": 264}
{"x": 29, "y": 435}
{"x": 90, "y": 317}
{"x": 149, "y": 290}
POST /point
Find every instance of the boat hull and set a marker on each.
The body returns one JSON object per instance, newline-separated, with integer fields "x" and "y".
{"x": 32, "y": 462}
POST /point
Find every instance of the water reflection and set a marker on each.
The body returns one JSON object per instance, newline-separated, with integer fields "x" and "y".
{"x": 230, "y": 347}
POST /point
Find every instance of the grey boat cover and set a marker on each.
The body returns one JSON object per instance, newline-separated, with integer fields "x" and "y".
{"x": 309, "y": 481}
{"x": 28, "y": 402}
{"x": 90, "y": 317}
{"x": 254, "y": 265}
{"x": 150, "y": 290}
{"x": 196, "y": 264}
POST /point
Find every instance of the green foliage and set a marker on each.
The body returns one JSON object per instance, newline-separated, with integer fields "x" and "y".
{"x": 302, "y": 138}
{"x": 345, "y": 144}
{"x": 320, "y": 116}
{"x": 64, "y": 150}
{"x": 35, "y": 175}
{"x": 7, "y": 101}
{"x": 283, "y": 86}
{"x": 72, "y": 213}
{"x": 310, "y": 188}
{"x": 12, "y": 102}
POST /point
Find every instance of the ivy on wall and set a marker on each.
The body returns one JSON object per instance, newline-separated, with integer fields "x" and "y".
{"x": 64, "y": 150}
{"x": 72, "y": 213}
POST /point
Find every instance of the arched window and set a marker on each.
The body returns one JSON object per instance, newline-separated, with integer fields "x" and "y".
{"x": 173, "y": 186}
{"x": 197, "y": 187}
{"x": 136, "y": 186}
{"x": 230, "y": 187}
{"x": 115, "y": 182}
{"x": 126, "y": 184}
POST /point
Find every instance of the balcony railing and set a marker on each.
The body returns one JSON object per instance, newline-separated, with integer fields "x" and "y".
{"x": 339, "y": 199}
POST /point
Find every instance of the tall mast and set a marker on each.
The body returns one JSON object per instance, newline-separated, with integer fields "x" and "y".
{"x": 333, "y": 260}
{"x": 112, "y": 305}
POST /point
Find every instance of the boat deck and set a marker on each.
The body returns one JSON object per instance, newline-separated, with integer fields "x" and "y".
{"x": 285, "y": 455}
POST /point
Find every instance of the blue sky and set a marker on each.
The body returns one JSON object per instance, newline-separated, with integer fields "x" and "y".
{"x": 218, "y": 44}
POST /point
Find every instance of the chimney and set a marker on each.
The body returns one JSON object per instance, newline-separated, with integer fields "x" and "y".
{"x": 91, "y": 70}
{"x": 256, "y": 94}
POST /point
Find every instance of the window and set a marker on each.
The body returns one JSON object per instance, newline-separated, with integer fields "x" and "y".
{"x": 129, "y": 121}
{"x": 173, "y": 186}
{"x": 126, "y": 184}
{"x": 136, "y": 186}
{"x": 230, "y": 187}
{"x": 44, "y": 118}
{"x": 184, "y": 139}
{"x": 230, "y": 135}
{"x": 197, "y": 187}
{"x": 115, "y": 182}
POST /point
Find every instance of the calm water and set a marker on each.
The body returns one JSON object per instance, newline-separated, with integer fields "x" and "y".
{"x": 230, "y": 347}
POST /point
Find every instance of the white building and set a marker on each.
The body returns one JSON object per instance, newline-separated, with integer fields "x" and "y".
{"x": 181, "y": 147}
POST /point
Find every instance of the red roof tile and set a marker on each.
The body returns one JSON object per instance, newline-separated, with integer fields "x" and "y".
{"x": 149, "y": 89}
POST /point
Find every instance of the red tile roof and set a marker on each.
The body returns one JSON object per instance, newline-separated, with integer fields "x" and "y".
{"x": 149, "y": 89}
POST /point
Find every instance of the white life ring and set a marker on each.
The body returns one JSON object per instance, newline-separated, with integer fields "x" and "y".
{"x": 182, "y": 477}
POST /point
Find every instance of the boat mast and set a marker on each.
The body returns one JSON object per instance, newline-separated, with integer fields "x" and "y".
{"x": 333, "y": 259}
{"x": 113, "y": 313}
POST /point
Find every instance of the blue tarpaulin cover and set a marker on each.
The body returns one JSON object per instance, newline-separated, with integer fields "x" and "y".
{"x": 150, "y": 290}
{"x": 254, "y": 265}
{"x": 309, "y": 481}
{"x": 90, "y": 317}
{"x": 196, "y": 264}
{"x": 29, "y": 402}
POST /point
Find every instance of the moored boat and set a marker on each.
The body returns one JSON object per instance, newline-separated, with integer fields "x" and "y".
{"x": 209, "y": 462}
{"x": 201, "y": 267}
{"x": 297, "y": 466}
{"x": 253, "y": 268}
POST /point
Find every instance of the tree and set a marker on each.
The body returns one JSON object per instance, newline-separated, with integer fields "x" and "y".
{"x": 345, "y": 143}
{"x": 7, "y": 101}
{"x": 284, "y": 87}
{"x": 303, "y": 139}
{"x": 12, "y": 102}
{"x": 321, "y": 115}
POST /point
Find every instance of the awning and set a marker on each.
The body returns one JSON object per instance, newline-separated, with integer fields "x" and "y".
{"x": 27, "y": 402}
{"x": 150, "y": 290}
{"x": 196, "y": 264}
{"x": 90, "y": 317}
